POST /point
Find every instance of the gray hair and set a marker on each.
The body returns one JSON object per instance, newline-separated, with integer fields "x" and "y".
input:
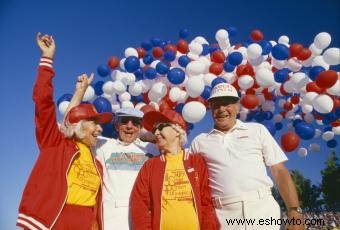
{"x": 183, "y": 139}
{"x": 73, "y": 130}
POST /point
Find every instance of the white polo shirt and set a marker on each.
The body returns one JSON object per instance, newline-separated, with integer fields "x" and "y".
{"x": 237, "y": 160}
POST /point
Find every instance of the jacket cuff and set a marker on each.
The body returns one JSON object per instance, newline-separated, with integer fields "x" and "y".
{"x": 45, "y": 61}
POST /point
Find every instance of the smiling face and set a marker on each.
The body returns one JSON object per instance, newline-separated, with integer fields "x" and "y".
{"x": 90, "y": 130}
{"x": 224, "y": 113}
{"x": 166, "y": 136}
{"x": 128, "y": 128}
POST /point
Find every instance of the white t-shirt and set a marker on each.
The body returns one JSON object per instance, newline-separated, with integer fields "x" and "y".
{"x": 237, "y": 160}
{"x": 121, "y": 163}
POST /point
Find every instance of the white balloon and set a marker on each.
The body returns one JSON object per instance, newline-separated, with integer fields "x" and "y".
{"x": 328, "y": 135}
{"x": 336, "y": 130}
{"x": 245, "y": 82}
{"x": 264, "y": 77}
{"x": 183, "y": 97}
{"x": 221, "y": 35}
{"x": 254, "y": 51}
{"x": 317, "y": 133}
{"x": 193, "y": 111}
{"x": 121, "y": 63}
{"x": 294, "y": 64}
{"x": 130, "y": 52}
{"x": 314, "y": 147}
{"x": 335, "y": 89}
{"x": 195, "y": 86}
{"x": 155, "y": 105}
{"x": 127, "y": 104}
{"x": 229, "y": 77}
{"x": 139, "y": 105}
{"x": 89, "y": 94}
{"x": 257, "y": 61}
{"x": 175, "y": 94}
{"x": 108, "y": 88}
{"x": 307, "y": 108}
{"x": 124, "y": 97}
{"x": 309, "y": 118}
{"x": 278, "y": 118}
{"x": 284, "y": 39}
{"x": 243, "y": 115}
{"x": 289, "y": 86}
{"x": 157, "y": 92}
{"x": 323, "y": 103}
{"x": 146, "y": 84}
{"x": 278, "y": 64}
{"x": 208, "y": 78}
{"x": 201, "y": 40}
{"x": 332, "y": 56}
{"x": 322, "y": 40}
{"x": 302, "y": 152}
{"x": 128, "y": 78}
{"x": 119, "y": 87}
{"x": 63, "y": 106}
{"x": 195, "y": 68}
{"x": 299, "y": 80}
{"x": 315, "y": 51}
{"x": 193, "y": 56}
{"x": 195, "y": 48}
{"x": 154, "y": 63}
{"x": 135, "y": 89}
{"x": 115, "y": 106}
{"x": 319, "y": 61}
{"x": 309, "y": 97}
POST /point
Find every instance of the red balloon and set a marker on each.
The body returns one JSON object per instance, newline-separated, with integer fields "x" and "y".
{"x": 250, "y": 101}
{"x": 163, "y": 105}
{"x": 250, "y": 91}
{"x": 216, "y": 68}
{"x": 283, "y": 91}
{"x": 147, "y": 108}
{"x": 295, "y": 100}
{"x": 256, "y": 35}
{"x": 171, "y": 47}
{"x": 146, "y": 98}
{"x": 304, "y": 54}
{"x": 288, "y": 106}
{"x": 326, "y": 79}
{"x": 290, "y": 141}
{"x": 218, "y": 56}
{"x": 141, "y": 52}
{"x": 245, "y": 69}
{"x": 295, "y": 49}
{"x": 335, "y": 123}
{"x": 157, "y": 52}
{"x": 313, "y": 87}
{"x": 182, "y": 46}
{"x": 113, "y": 62}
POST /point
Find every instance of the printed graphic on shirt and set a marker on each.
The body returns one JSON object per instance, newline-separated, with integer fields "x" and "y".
{"x": 84, "y": 175}
{"x": 126, "y": 161}
{"x": 176, "y": 186}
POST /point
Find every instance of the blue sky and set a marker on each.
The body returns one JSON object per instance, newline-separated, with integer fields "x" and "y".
{"x": 88, "y": 32}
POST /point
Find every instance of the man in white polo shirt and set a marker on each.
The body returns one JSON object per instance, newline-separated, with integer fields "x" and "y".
{"x": 237, "y": 154}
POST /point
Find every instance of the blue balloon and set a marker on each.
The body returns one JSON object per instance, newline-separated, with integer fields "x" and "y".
{"x": 228, "y": 67}
{"x": 147, "y": 59}
{"x": 327, "y": 128}
{"x": 205, "y": 50}
{"x": 278, "y": 126}
{"x": 326, "y": 121}
{"x": 232, "y": 31}
{"x": 281, "y": 75}
{"x": 103, "y": 70}
{"x": 137, "y": 99}
{"x": 131, "y": 64}
{"x": 250, "y": 115}
{"x": 150, "y": 73}
{"x": 102, "y": 105}
{"x": 183, "y": 60}
{"x": 206, "y": 92}
{"x": 98, "y": 88}
{"x": 332, "y": 143}
{"x": 269, "y": 115}
{"x": 64, "y": 97}
{"x": 280, "y": 52}
{"x": 184, "y": 33}
{"x": 259, "y": 116}
{"x": 266, "y": 47}
{"x": 235, "y": 58}
{"x": 337, "y": 112}
{"x": 296, "y": 121}
{"x": 270, "y": 126}
{"x": 305, "y": 130}
{"x": 109, "y": 130}
{"x": 169, "y": 55}
{"x": 139, "y": 74}
{"x": 218, "y": 80}
{"x": 156, "y": 41}
{"x": 162, "y": 68}
{"x": 179, "y": 108}
{"x": 212, "y": 49}
{"x": 315, "y": 71}
{"x": 147, "y": 45}
{"x": 176, "y": 76}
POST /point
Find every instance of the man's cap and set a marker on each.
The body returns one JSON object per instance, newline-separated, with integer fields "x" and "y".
{"x": 129, "y": 112}
{"x": 224, "y": 90}
{"x": 87, "y": 112}
{"x": 152, "y": 118}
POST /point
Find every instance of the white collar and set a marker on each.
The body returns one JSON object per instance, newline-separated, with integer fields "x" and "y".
{"x": 239, "y": 125}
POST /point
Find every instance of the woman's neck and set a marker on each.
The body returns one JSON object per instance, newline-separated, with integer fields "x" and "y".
{"x": 174, "y": 149}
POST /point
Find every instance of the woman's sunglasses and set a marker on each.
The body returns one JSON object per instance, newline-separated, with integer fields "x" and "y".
{"x": 124, "y": 120}
{"x": 160, "y": 127}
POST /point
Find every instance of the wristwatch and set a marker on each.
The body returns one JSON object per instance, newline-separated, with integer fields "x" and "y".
{"x": 296, "y": 209}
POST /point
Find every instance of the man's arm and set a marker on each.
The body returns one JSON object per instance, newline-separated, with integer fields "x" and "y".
{"x": 287, "y": 191}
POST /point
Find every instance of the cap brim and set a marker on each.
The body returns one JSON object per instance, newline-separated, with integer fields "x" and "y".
{"x": 227, "y": 98}
{"x": 152, "y": 118}
{"x": 102, "y": 118}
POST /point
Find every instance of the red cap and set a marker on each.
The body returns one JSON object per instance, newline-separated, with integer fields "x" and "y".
{"x": 152, "y": 118}
{"x": 87, "y": 112}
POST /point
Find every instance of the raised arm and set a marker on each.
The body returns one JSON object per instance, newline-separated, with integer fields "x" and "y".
{"x": 47, "y": 131}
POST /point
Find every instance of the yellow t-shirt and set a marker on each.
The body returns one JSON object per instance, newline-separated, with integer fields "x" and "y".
{"x": 178, "y": 208}
{"x": 83, "y": 180}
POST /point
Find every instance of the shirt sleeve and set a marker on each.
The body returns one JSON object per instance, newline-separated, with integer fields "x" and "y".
{"x": 271, "y": 151}
{"x": 194, "y": 146}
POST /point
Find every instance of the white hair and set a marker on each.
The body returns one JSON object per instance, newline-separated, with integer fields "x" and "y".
{"x": 183, "y": 139}
{"x": 73, "y": 130}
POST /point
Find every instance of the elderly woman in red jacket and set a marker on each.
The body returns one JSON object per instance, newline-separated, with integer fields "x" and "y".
{"x": 171, "y": 190}
{"x": 64, "y": 188}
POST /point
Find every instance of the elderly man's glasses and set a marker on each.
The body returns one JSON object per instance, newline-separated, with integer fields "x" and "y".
{"x": 124, "y": 120}
{"x": 160, "y": 127}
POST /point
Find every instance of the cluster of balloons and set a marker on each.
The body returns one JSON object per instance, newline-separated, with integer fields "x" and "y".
{"x": 280, "y": 83}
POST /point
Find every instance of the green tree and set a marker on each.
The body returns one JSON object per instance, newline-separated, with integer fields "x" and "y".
{"x": 330, "y": 184}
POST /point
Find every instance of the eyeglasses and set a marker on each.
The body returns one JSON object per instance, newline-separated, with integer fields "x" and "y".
{"x": 160, "y": 127}
{"x": 124, "y": 120}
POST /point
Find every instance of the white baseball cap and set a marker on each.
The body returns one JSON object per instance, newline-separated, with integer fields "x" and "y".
{"x": 224, "y": 90}
{"x": 129, "y": 112}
